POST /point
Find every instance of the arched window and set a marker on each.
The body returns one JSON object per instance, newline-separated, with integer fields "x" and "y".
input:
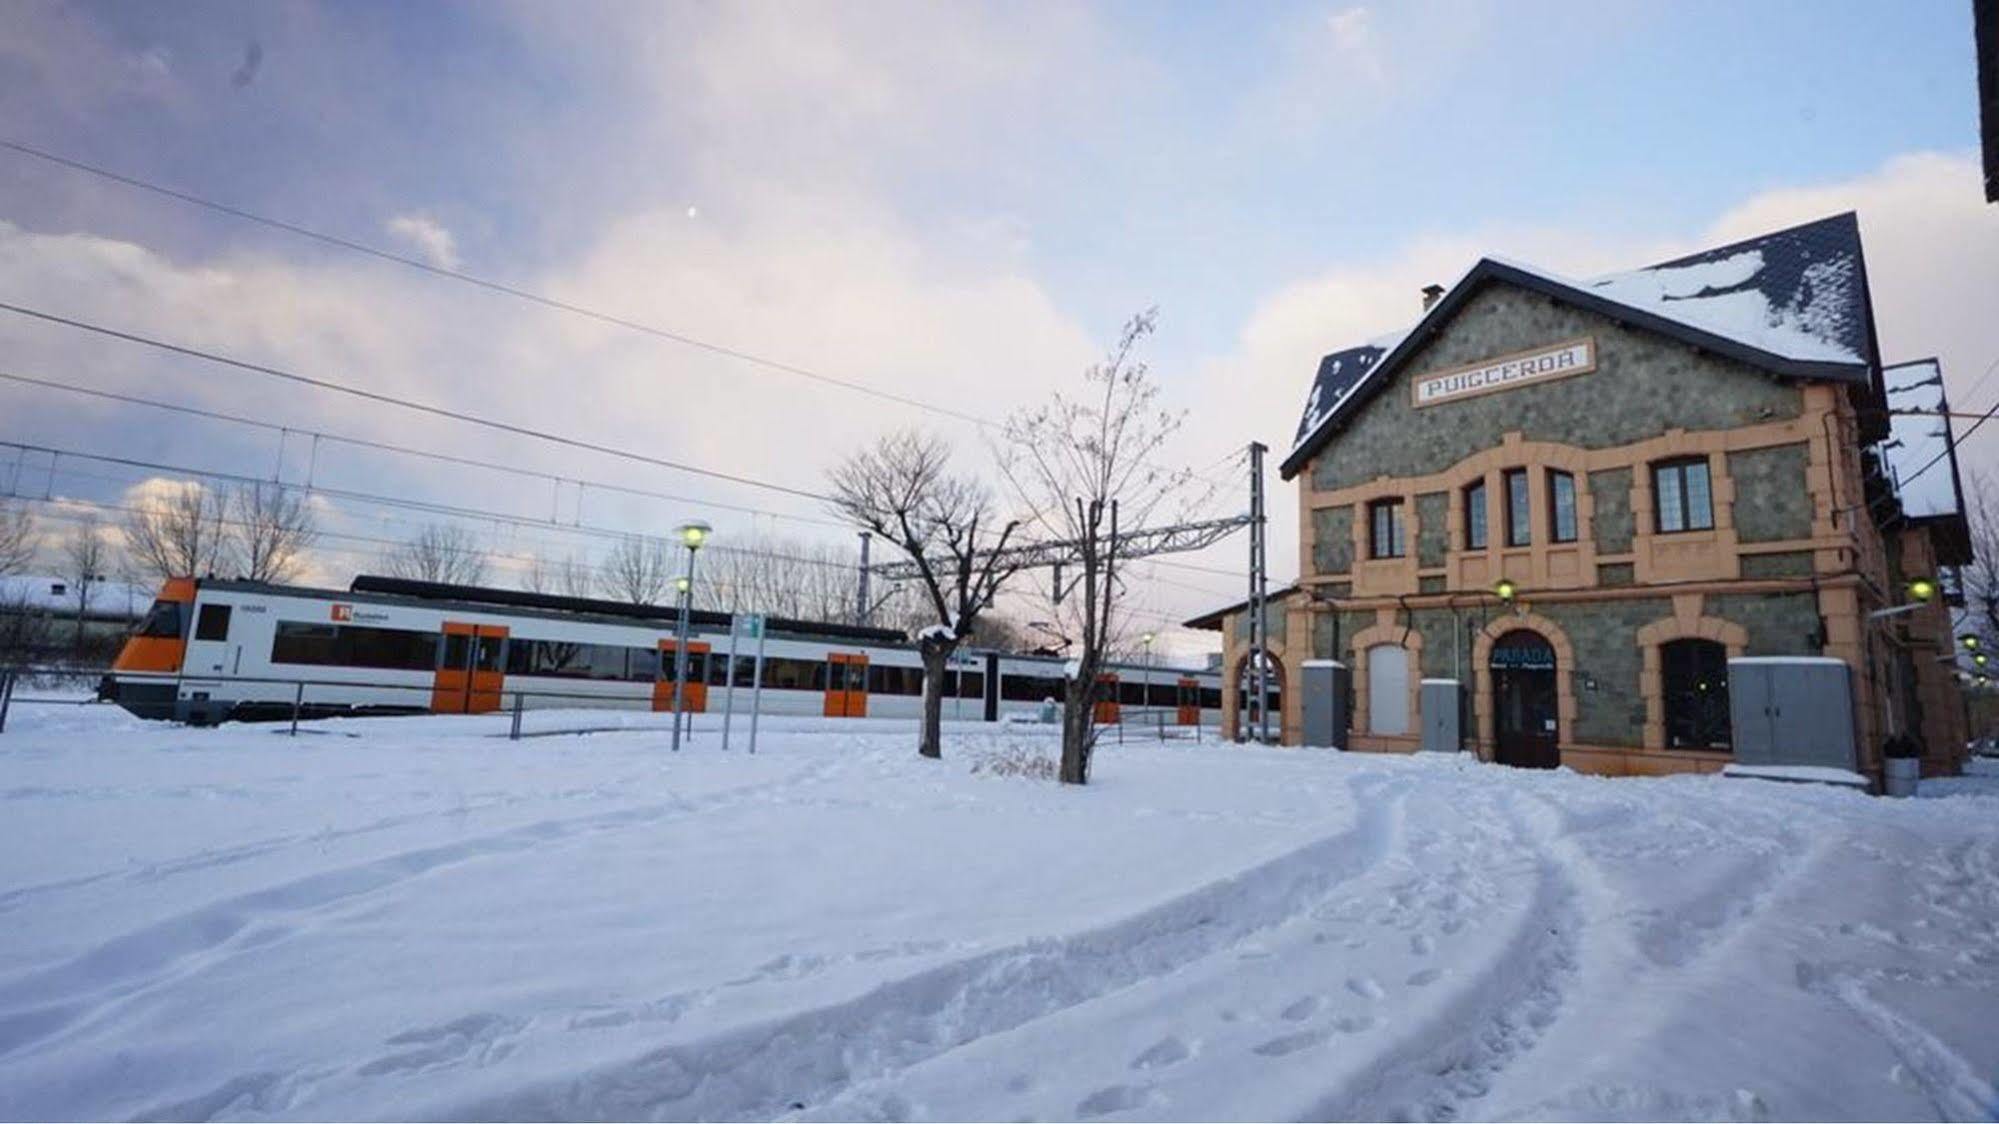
{"x": 1387, "y": 689}
{"x": 1694, "y": 677}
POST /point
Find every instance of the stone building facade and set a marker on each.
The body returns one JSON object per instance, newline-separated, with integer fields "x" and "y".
{"x": 1579, "y": 501}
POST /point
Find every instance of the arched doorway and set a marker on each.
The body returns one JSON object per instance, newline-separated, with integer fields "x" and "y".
{"x": 1526, "y": 702}
{"x": 1247, "y": 716}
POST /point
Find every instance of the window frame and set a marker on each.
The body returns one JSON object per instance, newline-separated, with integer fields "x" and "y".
{"x": 1555, "y": 507}
{"x": 1478, "y": 522}
{"x": 1677, "y": 467}
{"x": 1519, "y": 517}
{"x": 1398, "y": 528}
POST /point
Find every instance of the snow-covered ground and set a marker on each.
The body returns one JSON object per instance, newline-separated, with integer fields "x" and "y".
{"x": 412, "y": 918}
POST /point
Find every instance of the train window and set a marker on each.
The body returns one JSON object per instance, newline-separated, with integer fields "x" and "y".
{"x": 212, "y": 623}
{"x": 794, "y": 675}
{"x": 1211, "y": 698}
{"x": 1031, "y": 688}
{"x": 557, "y": 659}
{"x": 885, "y": 680}
{"x": 458, "y": 651}
{"x": 1130, "y": 694}
{"x": 971, "y": 684}
{"x": 1163, "y": 694}
{"x": 395, "y": 649}
{"x": 643, "y": 664}
{"x": 166, "y": 618}
{"x": 697, "y": 666}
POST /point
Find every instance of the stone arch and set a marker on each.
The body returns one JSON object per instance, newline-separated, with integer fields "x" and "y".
{"x": 1386, "y": 629}
{"x": 1234, "y": 714}
{"x": 1686, "y": 623}
{"x": 1565, "y": 666}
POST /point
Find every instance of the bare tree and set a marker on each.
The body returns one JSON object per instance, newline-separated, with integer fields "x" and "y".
{"x": 271, "y": 529}
{"x": 1087, "y": 467}
{"x": 781, "y": 577}
{"x": 441, "y": 552}
{"x": 85, "y": 560}
{"x": 638, "y": 570}
{"x": 902, "y": 489}
{"x": 176, "y": 533}
{"x": 1981, "y": 577}
{"x": 18, "y": 541}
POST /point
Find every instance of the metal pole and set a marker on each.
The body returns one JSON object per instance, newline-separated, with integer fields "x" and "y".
{"x": 1259, "y": 599}
{"x": 680, "y": 648}
{"x": 757, "y": 682}
{"x": 6, "y": 695}
{"x": 298, "y": 701}
{"x": 516, "y": 734}
{"x": 861, "y": 600}
{"x": 729, "y": 683}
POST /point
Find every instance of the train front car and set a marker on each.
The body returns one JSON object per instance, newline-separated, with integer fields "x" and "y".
{"x": 143, "y": 677}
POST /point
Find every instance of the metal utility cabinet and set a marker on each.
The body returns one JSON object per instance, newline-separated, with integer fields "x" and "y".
{"x": 1326, "y": 686}
{"x": 1792, "y": 710}
{"x": 1443, "y": 707}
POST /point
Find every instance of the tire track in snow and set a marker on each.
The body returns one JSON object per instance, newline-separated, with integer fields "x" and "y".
{"x": 39, "y": 1004}
{"x": 761, "y": 1071}
{"x": 1451, "y": 1060}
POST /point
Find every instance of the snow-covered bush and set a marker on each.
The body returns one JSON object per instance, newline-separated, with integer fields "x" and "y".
{"x": 1032, "y": 760}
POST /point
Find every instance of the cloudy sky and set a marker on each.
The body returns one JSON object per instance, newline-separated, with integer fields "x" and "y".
{"x": 956, "y": 204}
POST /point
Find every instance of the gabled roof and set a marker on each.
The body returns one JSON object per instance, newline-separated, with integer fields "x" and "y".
{"x": 1793, "y": 302}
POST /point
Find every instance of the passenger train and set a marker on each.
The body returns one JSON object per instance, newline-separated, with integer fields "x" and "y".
{"x": 212, "y": 651}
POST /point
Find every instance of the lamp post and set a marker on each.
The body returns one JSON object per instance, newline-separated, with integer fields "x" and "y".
{"x": 1145, "y": 688}
{"x": 692, "y": 535}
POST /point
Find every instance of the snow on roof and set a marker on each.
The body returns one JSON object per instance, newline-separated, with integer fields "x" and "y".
{"x": 1917, "y": 451}
{"x": 42, "y": 592}
{"x": 1796, "y": 294}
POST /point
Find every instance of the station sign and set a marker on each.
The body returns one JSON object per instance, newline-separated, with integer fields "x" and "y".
{"x": 1507, "y": 372}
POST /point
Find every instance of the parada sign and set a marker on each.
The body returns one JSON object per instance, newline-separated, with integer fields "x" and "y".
{"x": 1572, "y": 357}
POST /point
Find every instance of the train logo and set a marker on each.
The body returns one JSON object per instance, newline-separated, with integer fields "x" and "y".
{"x": 343, "y": 612}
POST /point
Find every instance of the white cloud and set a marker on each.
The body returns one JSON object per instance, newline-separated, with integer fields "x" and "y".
{"x": 429, "y": 237}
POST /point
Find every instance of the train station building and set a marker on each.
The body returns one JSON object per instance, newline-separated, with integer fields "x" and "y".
{"x": 1579, "y": 501}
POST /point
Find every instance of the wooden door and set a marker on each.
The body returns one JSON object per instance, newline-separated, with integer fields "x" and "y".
{"x": 471, "y": 669}
{"x": 846, "y": 685}
{"x": 1525, "y": 702}
{"x": 693, "y": 696}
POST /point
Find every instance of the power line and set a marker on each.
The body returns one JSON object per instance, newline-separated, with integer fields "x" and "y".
{"x": 386, "y": 446}
{"x": 490, "y": 285}
{"x": 407, "y": 404}
{"x": 451, "y": 510}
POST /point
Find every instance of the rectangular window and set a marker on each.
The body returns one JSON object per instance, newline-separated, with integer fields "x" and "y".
{"x": 1681, "y": 495}
{"x": 1561, "y": 506}
{"x": 1519, "y": 512}
{"x": 1385, "y": 538}
{"x": 212, "y": 623}
{"x": 1475, "y": 516}
{"x": 335, "y": 645}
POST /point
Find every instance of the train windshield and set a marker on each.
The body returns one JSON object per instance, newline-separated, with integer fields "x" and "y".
{"x": 167, "y": 618}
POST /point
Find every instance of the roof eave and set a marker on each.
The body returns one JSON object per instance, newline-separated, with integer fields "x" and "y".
{"x": 1487, "y": 270}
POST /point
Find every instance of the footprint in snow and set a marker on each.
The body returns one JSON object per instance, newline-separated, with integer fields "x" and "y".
{"x": 1424, "y": 978}
{"x": 1364, "y": 987}
{"x": 1115, "y": 1098}
{"x": 1291, "y": 1043}
{"x": 1353, "y": 1024}
{"x": 1422, "y": 944}
{"x": 1167, "y": 1051}
{"x": 1301, "y": 1008}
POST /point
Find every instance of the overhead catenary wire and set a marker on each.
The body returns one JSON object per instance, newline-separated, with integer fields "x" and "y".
{"x": 391, "y": 447}
{"x": 491, "y": 285}
{"x": 405, "y": 403}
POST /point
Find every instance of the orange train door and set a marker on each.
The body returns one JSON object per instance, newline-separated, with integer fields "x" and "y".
{"x": 694, "y": 697}
{"x": 1107, "y": 702}
{"x": 1190, "y": 703}
{"x": 472, "y": 671}
{"x": 846, "y": 685}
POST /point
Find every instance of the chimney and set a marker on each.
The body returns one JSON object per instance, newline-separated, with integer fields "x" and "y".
{"x": 1431, "y": 294}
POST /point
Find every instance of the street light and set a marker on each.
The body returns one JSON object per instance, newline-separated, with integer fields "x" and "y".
{"x": 1145, "y": 698}
{"x": 1505, "y": 589}
{"x": 1970, "y": 641}
{"x": 1921, "y": 589}
{"x": 692, "y": 535}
